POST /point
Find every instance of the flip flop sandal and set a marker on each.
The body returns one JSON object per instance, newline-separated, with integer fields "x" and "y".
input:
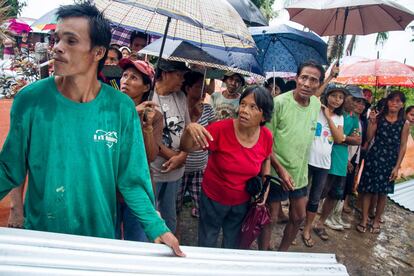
{"x": 308, "y": 242}
{"x": 375, "y": 230}
{"x": 321, "y": 233}
{"x": 361, "y": 228}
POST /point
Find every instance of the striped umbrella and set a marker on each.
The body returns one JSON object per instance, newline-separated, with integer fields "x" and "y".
{"x": 46, "y": 22}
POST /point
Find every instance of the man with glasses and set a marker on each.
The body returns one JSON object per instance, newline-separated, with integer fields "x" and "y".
{"x": 293, "y": 126}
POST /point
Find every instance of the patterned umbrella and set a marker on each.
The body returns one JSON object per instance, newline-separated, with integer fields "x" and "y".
{"x": 283, "y": 48}
{"x": 47, "y": 21}
{"x": 201, "y": 22}
{"x": 237, "y": 62}
{"x": 377, "y": 72}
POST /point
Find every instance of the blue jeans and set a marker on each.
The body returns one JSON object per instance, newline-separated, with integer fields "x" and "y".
{"x": 133, "y": 230}
{"x": 166, "y": 195}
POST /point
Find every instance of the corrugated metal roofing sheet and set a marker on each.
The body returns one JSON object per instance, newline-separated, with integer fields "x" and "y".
{"x": 404, "y": 195}
{"x": 26, "y": 252}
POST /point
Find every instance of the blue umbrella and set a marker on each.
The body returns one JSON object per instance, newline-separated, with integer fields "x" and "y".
{"x": 213, "y": 57}
{"x": 282, "y": 48}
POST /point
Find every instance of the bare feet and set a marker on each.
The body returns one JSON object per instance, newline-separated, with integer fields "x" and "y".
{"x": 16, "y": 218}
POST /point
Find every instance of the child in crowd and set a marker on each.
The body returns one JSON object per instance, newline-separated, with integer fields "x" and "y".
{"x": 329, "y": 129}
{"x": 390, "y": 131}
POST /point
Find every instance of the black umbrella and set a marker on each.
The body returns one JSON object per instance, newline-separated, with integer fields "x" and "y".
{"x": 251, "y": 14}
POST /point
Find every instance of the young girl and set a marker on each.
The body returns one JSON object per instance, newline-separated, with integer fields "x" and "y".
{"x": 409, "y": 114}
{"x": 384, "y": 158}
{"x": 329, "y": 129}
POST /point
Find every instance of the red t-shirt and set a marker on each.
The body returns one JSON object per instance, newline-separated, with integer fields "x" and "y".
{"x": 230, "y": 164}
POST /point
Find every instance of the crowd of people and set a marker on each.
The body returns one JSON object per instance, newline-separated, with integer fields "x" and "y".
{"x": 117, "y": 163}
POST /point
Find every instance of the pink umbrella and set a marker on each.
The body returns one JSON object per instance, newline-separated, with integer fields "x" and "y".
{"x": 377, "y": 72}
{"x": 17, "y": 26}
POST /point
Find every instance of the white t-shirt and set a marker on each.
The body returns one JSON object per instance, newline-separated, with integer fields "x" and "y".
{"x": 320, "y": 153}
{"x": 352, "y": 150}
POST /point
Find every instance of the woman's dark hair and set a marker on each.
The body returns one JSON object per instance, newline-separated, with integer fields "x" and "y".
{"x": 392, "y": 95}
{"x": 136, "y": 34}
{"x": 99, "y": 27}
{"x": 278, "y": 81}
{"x": 324, "y": 100}
{"x": 116, "y": 50}
{"x": 263, "y": 99}
{"x": 409, "y": 109}
{"x": 191, "y": 78}
{"x": 289, "y": 86}
{"x": 313, "y": 64}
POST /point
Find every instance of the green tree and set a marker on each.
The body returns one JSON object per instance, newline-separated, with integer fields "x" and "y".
{"x": 265, "y": 7}
{"x": 16, "y": 6}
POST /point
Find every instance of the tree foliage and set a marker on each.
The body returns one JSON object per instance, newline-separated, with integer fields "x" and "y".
{"x": 16, "y": 6}
{"x": 265, "y": 7}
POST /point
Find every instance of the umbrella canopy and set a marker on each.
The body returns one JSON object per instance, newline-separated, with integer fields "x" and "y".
{"x": 377, "y": 72}
{"x": 17, "y": 26}
{"x": 237, "y": 62}
{"x": 251, "y": 14}
{"x": 283, "y": 48}
{"x": 214, "y": 23}
{"x": 47, "y": 21}
{"x": 358, "y": 17}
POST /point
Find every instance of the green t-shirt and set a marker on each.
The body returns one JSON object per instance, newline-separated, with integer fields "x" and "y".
{"x": 76, "y": 155}
{"x": 339, "y": 155}
{"x": 293, "y": 127}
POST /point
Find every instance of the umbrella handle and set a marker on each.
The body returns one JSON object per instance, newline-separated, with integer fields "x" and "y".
{"x": 164, "y": 38}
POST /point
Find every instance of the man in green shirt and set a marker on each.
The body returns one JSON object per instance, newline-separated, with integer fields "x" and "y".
{"x": 293, "y": 127}
{"x": 79, "y": 141}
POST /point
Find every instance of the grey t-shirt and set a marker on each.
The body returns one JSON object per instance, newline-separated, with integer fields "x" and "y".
{"x": 174, "y": 108}
{"x": 224, "y": 108}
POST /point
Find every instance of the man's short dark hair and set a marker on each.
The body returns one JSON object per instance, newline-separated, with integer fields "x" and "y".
{"x": 99, "y": 27}
{"x": 243, "y": 82}
{"x": 116, "y": 50}
{"x": 314, "y": 64}
{"x": 263, "y": 99}
{"x": 136, "y": 34}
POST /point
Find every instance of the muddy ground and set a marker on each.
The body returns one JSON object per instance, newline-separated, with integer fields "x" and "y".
{"x": 389, "y": 253}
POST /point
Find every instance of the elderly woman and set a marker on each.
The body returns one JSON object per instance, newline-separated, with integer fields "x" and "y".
{"x": 136, "y": 83}
{"x": 239, "y": 150}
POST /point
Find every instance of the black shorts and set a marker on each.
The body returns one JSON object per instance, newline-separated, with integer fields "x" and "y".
{"x": 276, "y": 193}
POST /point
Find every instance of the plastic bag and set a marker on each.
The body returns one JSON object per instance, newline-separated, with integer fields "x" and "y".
{"x": 256, "y": 218}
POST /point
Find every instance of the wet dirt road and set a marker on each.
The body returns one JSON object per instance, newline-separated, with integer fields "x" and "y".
{"x": 389, "y": 253}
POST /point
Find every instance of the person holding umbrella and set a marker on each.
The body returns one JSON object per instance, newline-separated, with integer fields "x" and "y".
{"x": 80, "y": 142}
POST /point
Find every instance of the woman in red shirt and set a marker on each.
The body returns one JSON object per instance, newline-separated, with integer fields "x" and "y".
{"x": 239, "y": 150}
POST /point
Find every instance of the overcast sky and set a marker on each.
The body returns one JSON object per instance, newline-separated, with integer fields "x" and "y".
{"x": 398, "y": 47}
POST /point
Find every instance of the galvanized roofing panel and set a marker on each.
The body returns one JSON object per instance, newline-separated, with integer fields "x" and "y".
{"x": 26, "y": 252}
{"x": 404, "y": 195}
